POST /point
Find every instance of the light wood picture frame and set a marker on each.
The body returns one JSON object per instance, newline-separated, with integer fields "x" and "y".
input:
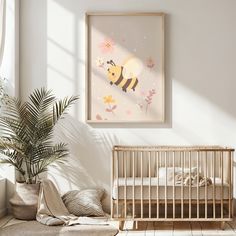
{"x": 125, "y": 80}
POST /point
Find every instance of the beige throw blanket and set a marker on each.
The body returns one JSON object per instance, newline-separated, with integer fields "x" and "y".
{"x": 52, "y": 211}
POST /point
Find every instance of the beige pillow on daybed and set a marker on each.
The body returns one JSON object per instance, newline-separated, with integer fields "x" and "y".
{"x": 85, "y": 202}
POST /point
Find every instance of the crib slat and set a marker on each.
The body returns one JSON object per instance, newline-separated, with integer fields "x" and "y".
{"x": 117, "y": 182}
{"x": 173, "y": 153}
{"x": 112, "y": 182}
{"x": 230, "y": 179}
{"x": 141, "y": 165}
{"x": 165, "y": 156}
{"x": 214, "y": 183}
{"x": 133, "y": 166}
{"x": 149, "y": 190}
{"x": 157, "y": 161}
{"x": 182, "y": 155}
{"x": 198, "y": 185}
{"x": 222, "y": 179}
{"x": 125, "y": 187}
{"x": 190, "y": 185}
{"x": 206, "y": 187}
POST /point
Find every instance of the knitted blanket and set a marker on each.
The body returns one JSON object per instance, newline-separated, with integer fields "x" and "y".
{"x": 52, "y": 211}
{"x": 192, "y": 179}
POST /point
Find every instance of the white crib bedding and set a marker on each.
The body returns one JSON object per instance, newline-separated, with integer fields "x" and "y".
{"x": 219, "y": 189}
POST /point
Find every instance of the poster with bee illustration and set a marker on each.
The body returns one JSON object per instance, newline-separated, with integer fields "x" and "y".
{"x": 125, "y": 67}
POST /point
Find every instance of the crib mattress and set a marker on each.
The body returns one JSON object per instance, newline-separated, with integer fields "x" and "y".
{"x": 120, "y": 190}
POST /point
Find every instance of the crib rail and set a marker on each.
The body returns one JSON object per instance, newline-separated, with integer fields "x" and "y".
{"x": 168, "y": 183}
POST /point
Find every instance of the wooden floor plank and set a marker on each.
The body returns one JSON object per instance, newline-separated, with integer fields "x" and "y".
{"x": 210, "y": 228}
{"x": 232, "y": 224}
{"x": 150, "y": 231}
{"x": 228, "y": 230}
{"x": 182, "y": 229}
{"x": 163, "y": 228}
{"x": 142, "y": 226}
{"x": 179, "y": 229}
{"x": 123, "y": 233}
{"x": 196, "y": 229}
{"x": 141, "y": 231}
{"x": 4, "y": 220}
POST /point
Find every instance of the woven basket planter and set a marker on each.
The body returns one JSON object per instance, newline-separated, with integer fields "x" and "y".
{"x": 24, "y": 202}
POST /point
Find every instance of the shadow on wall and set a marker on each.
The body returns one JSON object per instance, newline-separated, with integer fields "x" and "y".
{"x": 88, "y": 164}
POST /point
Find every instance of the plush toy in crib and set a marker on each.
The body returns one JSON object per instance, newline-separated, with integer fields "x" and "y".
{"x": 192, "y": 179}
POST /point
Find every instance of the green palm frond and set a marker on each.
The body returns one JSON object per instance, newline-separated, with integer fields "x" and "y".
{"x": 53, "y": 154}
{"x": 27, "y": 131}
{"x": 8, "y": 145}
{"x": 41, "y": 102}
{"x": 12, "y": 158}
{"x": 60, "y": 107}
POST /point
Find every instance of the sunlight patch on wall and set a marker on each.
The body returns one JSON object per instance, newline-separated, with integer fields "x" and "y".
{"x": 61, "y": 60}
{"x": 60, "y": 22}
{"x": 199, "y": 119}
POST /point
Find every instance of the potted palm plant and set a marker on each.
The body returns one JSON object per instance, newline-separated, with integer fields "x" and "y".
{"x": 26, "y": 132}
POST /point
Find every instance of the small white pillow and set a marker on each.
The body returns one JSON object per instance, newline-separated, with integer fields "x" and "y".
{"x": 85, "y": 202}
{"x": 169, "y": 171}
{"x": 163, "y": 172}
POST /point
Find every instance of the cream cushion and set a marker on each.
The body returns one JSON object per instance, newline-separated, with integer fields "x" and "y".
{"x": 85, "y": 202}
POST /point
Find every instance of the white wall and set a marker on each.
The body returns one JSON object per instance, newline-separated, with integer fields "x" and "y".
{"x": 200, "y": 78}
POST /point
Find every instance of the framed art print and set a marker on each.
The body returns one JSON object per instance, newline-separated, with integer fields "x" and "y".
{"x": 125, "y": 67}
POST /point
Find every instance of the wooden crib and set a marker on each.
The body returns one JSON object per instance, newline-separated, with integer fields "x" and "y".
{"x": 172, "y": 183}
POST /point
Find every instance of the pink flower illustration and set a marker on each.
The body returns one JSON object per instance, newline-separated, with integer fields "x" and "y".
{"x": 107, "y": 46}
{"x": 129, "y": 112}
{"x": 99, "y": 117}
{"x": 150, "y": 63}
{"x": 111, "y": 104}
{"x": 149, "y": 97}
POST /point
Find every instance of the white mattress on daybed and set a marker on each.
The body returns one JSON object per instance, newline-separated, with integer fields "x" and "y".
{"x": 153, "y": 186}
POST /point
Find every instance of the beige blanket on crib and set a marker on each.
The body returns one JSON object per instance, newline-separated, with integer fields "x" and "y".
{"x": 52, "y": 211}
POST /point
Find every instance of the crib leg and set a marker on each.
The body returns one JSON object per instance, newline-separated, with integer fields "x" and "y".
{"x": 222, "y": 225}
{"x": 121, "y": 225}
{"x": 136, "y": 224}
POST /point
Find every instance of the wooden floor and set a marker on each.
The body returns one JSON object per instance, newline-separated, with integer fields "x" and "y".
{"x": 178, "y": 229}
{"x": 168, "y": 228}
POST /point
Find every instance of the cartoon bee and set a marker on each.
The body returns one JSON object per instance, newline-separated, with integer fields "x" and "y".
{"x": 125, "y": 76}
